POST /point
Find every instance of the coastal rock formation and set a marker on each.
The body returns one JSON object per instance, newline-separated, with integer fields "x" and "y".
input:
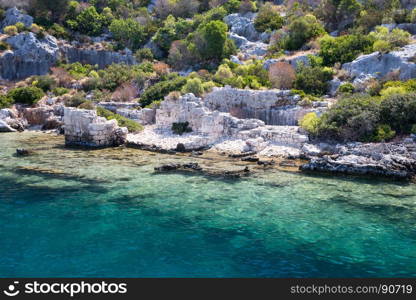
{"x": 13, "y": 16}
{"x": 4, "y": 127}
{"x": 30, "y": 56}
{"x": 274, "y": 107}
{"x": 100, "y": 57}
{"x": 378, "y": 65}
{"x": 396, "y": 160}
{"x": 219, "y": 130}
{"x": 84, "y": 128}
{"x": 49, "y": 117}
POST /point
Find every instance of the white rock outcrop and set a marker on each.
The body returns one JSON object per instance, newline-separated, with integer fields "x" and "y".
{"x": 378, "y": 65}
{"x": 243, "y": 25}
{"x": 84, "y": 128}
{"x": 29, "y": 56}
{"x": 274, "y": 107}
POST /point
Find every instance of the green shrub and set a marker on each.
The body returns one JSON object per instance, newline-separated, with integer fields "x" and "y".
{"x": 89, "y": 22}
{"x": 346, "y": 88}
{"x": 10, "y": 30}
{"x": 313, "y": 80}
{"x": 389, "y": 39}
{"x": 213, "y": 37}
{"x": 46, "y": 82}
{"x": 344, "y": 48}
{"x": 181, "y": 128}
{"x": 194, "y": 86}
{"x": 4, "y": 46}
{"x": 59, "y": 91}
{"x": 20, "y": 26}
{"x": 78, "y": 70}
{"x": 301, "y": 30}
{"x": 144, "y": 54}
{"x": 399, "y": 111}
{"x": 5, "y": 101}
{"x": 392, "y": 91}
{"x": 353, "y": 118}
{"x": 161, "y": 89}
{"x": 413, "y": 130}
{"x": 58, "y": 31}
{"x": 128, "y": 32}
{"x": 383, "y": 133}
{"x": 26, "y": 95}
{"x": 268, "y": 18}
{"x": 131, "y": 125}
{"x": 75, "y": 100}
{"x": 310, "y": 122}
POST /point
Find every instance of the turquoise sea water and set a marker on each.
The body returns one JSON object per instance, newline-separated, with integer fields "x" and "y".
{"x": 105, "y": 213}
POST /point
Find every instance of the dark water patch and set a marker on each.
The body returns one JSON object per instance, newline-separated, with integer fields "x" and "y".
{"x": 56, "y": 174}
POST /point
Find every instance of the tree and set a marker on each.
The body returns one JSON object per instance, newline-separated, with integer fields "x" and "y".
{"x": 301, "y": 30}
{"x": 212, "y": 42}
{"x": 268, "y": 18}
{"x": 128, "y": 32}
{"x": 89, "y": 21}
{"x": 57, "y": 8}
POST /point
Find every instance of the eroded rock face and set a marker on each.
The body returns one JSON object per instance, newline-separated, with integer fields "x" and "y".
{"x": 274, "y": 107}
{"x": 13, "y": 16}
{"x": 102, "y": 58}
{"x": 29, "y": 56}
{"x": 85, "y": 128}
{"x": 378, "y": 65}
{"x": 384, "y": 159}
{"x": 243, "y": 25}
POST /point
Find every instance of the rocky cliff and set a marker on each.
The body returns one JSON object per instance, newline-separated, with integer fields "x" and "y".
{"x": 101, "y": 58}
{"x": 29, "y": 56}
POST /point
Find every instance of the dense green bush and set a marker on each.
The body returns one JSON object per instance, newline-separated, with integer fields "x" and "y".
{"x": 344, "y": 48}
{"x": 58, "y": 31}
{"x": 89, "y": 21}
{"x": 194, "y": 86}
{"x": 161, "y": 89}
{"x": 268, "y": 18}
{"x": 26, "y": 95}
{"x": 131, "y": 125}
{"x": 78, "y": 70}
{"x": 399, "y": 111}
{"x": 128, "y": 32}
{"x": 389, "y": 40}
{"x": 383, "y": 133}
{"x": 313, "y": 80}
{"x": 346, "y": 88}
{"x": 75, "y": 100}
{"x": 59, "y": 91}
{"x": 4, "y": 46}
{"x": 300, "y": 31}
{"x": 144, "y": 54}
{"x": 5, "y": 101}
{"x": 181, "y": 128}
{"x": 46, "y": 82}
{"x": 213, "y": 40}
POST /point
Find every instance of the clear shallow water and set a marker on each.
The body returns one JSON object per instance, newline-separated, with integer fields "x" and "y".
{"x": 104, "y": 213}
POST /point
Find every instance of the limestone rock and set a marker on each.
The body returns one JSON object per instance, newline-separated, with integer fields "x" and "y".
{"x": 377, "y": 64}
{"x": 242, "y": 24}
{"x": 85, "y": 128}
{"x": 4, "y": 127}
{"x": 30, "y": 56}
{"x": 274, "y": 107}
{"x": 383, "y": 159}
{"x": 102, "y": 58}
{"x": 13, "y": 16}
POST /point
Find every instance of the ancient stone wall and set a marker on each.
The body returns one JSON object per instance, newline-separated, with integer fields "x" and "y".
{"x": 85, "y": 128}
